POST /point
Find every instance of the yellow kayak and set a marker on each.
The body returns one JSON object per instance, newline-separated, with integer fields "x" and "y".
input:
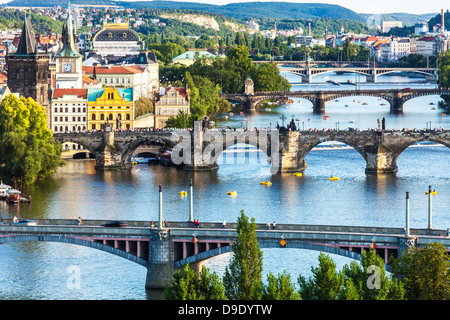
{"x": 298, "y": 174}
{"x": 183, "y": 193}
{"x": 231, "y": 193}
{"x": 333, "y": 178}
{"x": 267, "y": 183}
{"x": 432, "y": 192}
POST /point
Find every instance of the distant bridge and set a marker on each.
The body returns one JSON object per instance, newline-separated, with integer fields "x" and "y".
{"x": 371, "y": 74}
{"x": 395, "y": 97}
{"x": 163, "y": 250}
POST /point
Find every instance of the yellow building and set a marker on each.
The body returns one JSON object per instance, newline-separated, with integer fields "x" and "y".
{"x": 110, "y": 105}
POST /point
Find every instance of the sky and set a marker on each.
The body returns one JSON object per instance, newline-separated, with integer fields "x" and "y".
{"x": 364, "y": 6}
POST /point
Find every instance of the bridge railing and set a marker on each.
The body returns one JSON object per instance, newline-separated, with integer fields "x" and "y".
{"x": 139, "y": 224}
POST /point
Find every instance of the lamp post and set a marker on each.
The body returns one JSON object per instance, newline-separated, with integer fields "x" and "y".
{"x": 407, "y": 215}
{"x": 191, "y": 202}
{"x": 429, "y": 208}
{"x": 160, "y": 206}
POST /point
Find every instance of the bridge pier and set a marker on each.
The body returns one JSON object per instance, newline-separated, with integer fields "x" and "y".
{"x": 380, "y": 160}
{"x": 319, "y": 104}
{"x": 160, "y": 264}
{"x": 111, "y": 156}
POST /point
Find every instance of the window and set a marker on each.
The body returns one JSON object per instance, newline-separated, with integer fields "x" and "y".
{"x": 56, "y": 109}
{"x": 56, "y": 129}
{"x": 102, "y": 117}
{"x": 93, "y": 126}
{"x": 127, "y": 116}
{"x": 56, "y": 118}
{"x": 110, "y": 117}
{"x": 93, "y": 117}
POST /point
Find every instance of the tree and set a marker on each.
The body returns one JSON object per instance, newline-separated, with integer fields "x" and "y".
{"x": 186, "y": 284}
{"x": 326, "y": 282}
{"x": 27, "y": 148}
{"x": 444, "y": 77}
{"x": 279, "y": 288}
{"x": 244, "y": 273}
{"x": 182, "y": 120}
{"x": 143, "y": 105}
{"x": 425, "y": 272}
{"x": 370, "y": 279}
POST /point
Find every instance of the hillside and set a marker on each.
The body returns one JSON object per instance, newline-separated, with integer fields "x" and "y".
{"x": 275, "y": 10}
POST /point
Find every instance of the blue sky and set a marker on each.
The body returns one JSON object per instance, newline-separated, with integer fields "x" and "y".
{"x": 364, "y": 6}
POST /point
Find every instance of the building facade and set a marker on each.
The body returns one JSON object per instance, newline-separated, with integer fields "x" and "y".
{"x": 169, "y": 102}
{"x": 142, "y": 80}
{"x": 110, "y": 105}
{"x": 69, "y": 110}
{"x": 116, "y": 39}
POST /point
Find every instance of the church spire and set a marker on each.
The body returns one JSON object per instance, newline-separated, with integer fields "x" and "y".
{"x": 27, "y": 43}
{"x": 68, "y": 43}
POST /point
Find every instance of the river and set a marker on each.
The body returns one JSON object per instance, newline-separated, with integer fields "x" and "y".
{"x": 42, "y": 271}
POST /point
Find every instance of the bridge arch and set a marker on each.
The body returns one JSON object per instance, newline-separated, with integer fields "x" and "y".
{"x": 399, "y": 150}
{"x": 331, "y": 138}
{"x": 270, "y": 244}
{"x": 133, "y": 145}
{"x": 75, "y": 241}
{"x": 221, "y": 142}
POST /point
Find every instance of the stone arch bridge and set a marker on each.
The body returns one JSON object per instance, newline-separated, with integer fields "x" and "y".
{"x": 163, "y": 250}
{"x": 198, "y": 150}
{"x": 395, "y": 97}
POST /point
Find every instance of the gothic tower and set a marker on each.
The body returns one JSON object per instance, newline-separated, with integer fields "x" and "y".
{"x": 28, "y": 69}
{"x": 69, "y": 71}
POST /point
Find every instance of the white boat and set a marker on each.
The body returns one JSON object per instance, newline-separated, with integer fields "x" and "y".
{"x": 4, "y": 191}
{"x": 139, "y": 160}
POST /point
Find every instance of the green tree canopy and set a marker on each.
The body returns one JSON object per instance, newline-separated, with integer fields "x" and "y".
{"x": 186, "y": 284}
{"x": 244, "y": 273}
{"x": 27, "y": 148}
{"x": 425, "y": 272}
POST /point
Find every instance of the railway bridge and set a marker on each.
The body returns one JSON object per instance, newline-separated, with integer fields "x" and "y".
{"x": 199, "y": 149}
{"x": 162, "y": 250}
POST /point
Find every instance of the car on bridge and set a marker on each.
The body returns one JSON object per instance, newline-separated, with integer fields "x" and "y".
{"x": 115, "y": 224}
{"x": 24, "y": 222}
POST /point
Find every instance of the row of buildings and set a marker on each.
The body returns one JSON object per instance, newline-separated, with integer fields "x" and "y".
{"x": 389, "y": 49}
{"x": 84, "y": 93}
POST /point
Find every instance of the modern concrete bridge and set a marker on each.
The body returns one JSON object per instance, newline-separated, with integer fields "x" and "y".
{"x": 163, "y": 250}
{"x": 395, "y": 97}
{"x": 199, "y": 150}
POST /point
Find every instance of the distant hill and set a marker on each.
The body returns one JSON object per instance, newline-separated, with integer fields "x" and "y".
{"x": 245, "y": 10}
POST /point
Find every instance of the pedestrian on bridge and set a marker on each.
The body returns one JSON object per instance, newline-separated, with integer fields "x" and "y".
{"x": 224, "y": 224}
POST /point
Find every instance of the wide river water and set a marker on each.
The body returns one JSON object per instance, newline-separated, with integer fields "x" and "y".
{"x": 37, "y": 270}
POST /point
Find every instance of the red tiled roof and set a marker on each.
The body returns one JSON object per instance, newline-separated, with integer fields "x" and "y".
{"x": 113, "y": 70}
{"x": 58, "y": 93}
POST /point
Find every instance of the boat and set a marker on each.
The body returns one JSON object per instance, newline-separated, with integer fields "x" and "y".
{"x": 232, "y": 193}
{"x": 183, "y": 193}
{"x": 3, "y": 191}
{"x": 298, "y": 174}
{"x": 431, "y": 104}
{"x": 442, "y": 114}
{"x": 13, "y": 196}
{"x": 432, "y": 192}
{"x": 365, "y": 104}
{"x": 136, "y": 160}
{"x": 268, "y": 109}
{"x": 333, "y": 178}
{"x": 346, "y": 105}
{"x": 266, "y": 183}
{"x": 351, "y": 121}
